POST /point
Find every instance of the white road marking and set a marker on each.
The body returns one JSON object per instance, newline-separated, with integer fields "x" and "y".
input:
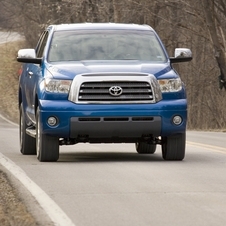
{"x": 54, "y": 212}
{"x": 7, "y": 120}
{"x": 10, "y": 37}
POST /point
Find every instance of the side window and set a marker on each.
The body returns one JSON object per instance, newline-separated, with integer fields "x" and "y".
{"x": 41, "y": 44}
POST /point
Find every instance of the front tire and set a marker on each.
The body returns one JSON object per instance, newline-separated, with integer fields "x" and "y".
{"x": 173, "y": 147}
{"x": 145, "y": 148}
{"x": 27, "y": 143}
{"x": 47, "y": 147}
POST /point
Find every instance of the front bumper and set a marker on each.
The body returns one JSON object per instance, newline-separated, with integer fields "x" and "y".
{"x": 116, "y": 122}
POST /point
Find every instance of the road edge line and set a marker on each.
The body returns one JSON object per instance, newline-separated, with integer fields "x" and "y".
{"x": 7, "y": 120}
{"x": 55, "y": 213}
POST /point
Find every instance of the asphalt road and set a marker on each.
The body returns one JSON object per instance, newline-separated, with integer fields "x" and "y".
{"x": 9, "y": 37}
{"x": 110, "y": 184}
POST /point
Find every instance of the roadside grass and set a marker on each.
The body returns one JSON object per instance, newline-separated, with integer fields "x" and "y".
{"x": 9, "y": 77}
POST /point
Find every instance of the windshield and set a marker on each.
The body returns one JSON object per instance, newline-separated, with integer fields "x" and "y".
{"x": 105, "y": 45}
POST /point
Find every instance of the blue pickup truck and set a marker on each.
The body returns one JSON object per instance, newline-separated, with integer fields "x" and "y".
{"x": 101, "y": 83}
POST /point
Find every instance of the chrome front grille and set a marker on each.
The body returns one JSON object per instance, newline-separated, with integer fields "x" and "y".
{"x": 100, "y": 91}
{"x": 112, "y": 88}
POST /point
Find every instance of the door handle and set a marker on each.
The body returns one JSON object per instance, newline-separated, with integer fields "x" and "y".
{"x": 30, "y": 73}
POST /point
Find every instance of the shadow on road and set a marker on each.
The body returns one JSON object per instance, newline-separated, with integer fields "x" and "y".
{"x": 108, "y": 157}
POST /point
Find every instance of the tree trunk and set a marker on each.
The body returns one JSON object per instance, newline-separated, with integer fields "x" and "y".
{"x": 212, "y": 25}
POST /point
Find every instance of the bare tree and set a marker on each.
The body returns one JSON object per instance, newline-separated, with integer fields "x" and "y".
{"x": 215, "y": 13}
{"x": 179, "y": 23}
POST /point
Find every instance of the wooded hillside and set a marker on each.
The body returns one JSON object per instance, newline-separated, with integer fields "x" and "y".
{"x": 198, "y": 25}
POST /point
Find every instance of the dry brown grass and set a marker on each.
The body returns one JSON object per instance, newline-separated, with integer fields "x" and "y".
{"x": 9, "y": 77}
{"x": 12, "y": 210}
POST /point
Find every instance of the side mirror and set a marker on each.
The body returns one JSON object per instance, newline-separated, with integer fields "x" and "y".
{"x": 181, "y": 55}
{"x": 28, "y": 56}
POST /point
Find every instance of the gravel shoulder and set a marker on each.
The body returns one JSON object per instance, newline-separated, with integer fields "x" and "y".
{"x": 13, "y": 210}
{"x": 17, "y": 206}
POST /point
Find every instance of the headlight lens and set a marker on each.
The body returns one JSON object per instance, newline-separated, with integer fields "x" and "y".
{"x": 57, "y": 86}
{"x": 170, "y": 85}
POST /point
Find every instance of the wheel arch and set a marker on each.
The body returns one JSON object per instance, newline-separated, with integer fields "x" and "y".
{"x": 19, "y": 97}
{"x": 36, "y": 104}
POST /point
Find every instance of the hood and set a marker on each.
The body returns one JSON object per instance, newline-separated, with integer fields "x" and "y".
{"x": 70, "y": 69}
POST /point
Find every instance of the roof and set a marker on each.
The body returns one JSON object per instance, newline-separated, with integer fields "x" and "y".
{"x": 90, "y": 26}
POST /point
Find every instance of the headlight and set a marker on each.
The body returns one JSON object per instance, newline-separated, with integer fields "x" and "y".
{"x": 57, "y": 86}
{"x": 170, "y": 85}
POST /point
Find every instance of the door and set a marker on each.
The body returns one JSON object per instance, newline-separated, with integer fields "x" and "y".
{"x": 33, "y": 76}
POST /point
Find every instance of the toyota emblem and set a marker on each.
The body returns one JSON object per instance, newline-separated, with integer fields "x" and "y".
{"x": 115, "y": 91}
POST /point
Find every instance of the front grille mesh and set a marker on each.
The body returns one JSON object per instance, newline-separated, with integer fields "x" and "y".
{"x": 131, "y": 91}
